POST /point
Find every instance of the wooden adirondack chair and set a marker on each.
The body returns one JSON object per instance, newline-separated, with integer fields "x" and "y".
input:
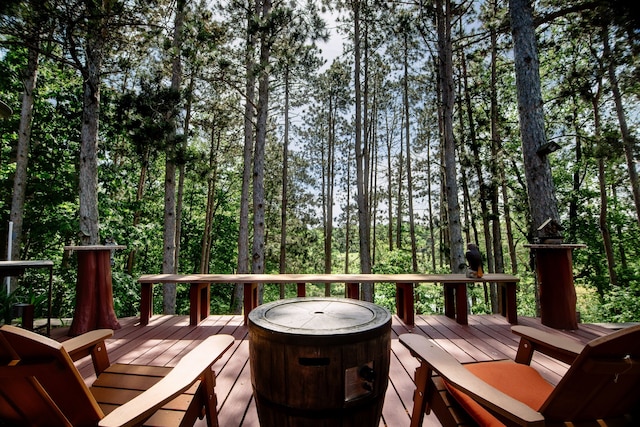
{"x": 601, "y": 387}
{"x": 40, "y": 385}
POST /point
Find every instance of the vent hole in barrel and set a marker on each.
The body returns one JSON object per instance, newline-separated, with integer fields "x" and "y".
{"x": 313, "y": 361}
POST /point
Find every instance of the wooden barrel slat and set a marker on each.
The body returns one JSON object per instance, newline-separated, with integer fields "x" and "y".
{"x": 312, "y": 361}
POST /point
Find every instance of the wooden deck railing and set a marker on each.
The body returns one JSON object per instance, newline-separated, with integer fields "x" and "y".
{"x": 455, "y": 290}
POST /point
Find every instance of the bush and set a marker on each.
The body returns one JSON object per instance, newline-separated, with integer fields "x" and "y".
{"x": 621, "y": 304}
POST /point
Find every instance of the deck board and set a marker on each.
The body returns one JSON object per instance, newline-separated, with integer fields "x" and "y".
{"x": 167, "y": 338}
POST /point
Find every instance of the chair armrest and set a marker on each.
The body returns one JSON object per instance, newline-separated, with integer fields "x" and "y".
{"x": 90, "y": 343}
{"x": 81, "y": 344}
{"x": 456, "y": 374}
{"x": 557, "y": 346}
{"x": 188, "y": 370}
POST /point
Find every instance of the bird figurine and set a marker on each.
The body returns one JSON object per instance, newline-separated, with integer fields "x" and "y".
{"x": 474, "y": 258}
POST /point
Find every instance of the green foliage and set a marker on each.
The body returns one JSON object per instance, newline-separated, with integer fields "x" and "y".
{"x": 126, "y": 294}
{"x": 63, "y": 292}
{"x": 429, "y": 299}
{"x": 385, "y": 296}
{"x": 271, "y": 292}
{"x": 620, "y": 304}
{"x": 221, "y": 298}
{"x": 32, "y": 288}
{"x": 393, "y": 262}
{"x": 526, "y": 295}
{"x": 7, "y": 300}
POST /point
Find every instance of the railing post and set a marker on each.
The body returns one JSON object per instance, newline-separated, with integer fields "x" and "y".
{"x": 353, "y": 290}
{"x": 302, "y": 291}
{"x": 146, "y": 303}
{"x": 449, "y": 302}
{"x": 250, "y": 299}
{"x": 461, "y": 303}
{"x": 199, "y": 302}
{"x": 554, "y": 270}
{"x": 405, "y": 303}
{"x": 455, "y": 302}
{"x": 508, "y": 301}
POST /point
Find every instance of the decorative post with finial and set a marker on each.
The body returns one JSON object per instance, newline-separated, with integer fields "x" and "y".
{"x": 94, "y": 293}
{"x": 554, "y": 271}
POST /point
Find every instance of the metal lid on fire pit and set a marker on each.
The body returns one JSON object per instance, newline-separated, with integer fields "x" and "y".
{"x": 319, "y": 316}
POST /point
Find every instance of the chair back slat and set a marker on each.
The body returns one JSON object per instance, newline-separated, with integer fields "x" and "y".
{"x": 602, "y": 383}
{"x": 40, "y": 385}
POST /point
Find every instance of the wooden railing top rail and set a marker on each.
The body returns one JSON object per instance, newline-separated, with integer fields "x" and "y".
{"x": 324, "y": 278}
{"x": 455, "y": 290}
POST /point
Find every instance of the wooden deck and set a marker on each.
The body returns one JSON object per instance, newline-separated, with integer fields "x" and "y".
{"x": 167, "y": 338}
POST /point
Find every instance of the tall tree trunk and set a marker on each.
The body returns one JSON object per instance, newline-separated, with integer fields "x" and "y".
{"x": 573, "y": 200}
{"x": 144, "y": 167}
{"x": 627, "y": 138}
{"x": 456, "y": 250}
{"x": 89, "y": 232}
{"x": 496, "y": 170}
{"x": 30, "y": 78}
{"x": 169, "y": 253}
{"x": 375, "y": 159}
{"x": 604, "y": 224}
{"x": 328, "y": 180}
{"x": 467, "y": 207}
{"x": 622, "y": 253}
{"x": 389, "y": 140}
{"x": 168, "y": 263}
{"x": 540, "y": 189}
{"x": 443, "y": 235}
{"x": 347, "y": 215}
{"x": 212, "y": 181}
{"x": 399, "y": 192}
{"x": 407, "y": 135}
{"x": 467, "y": 210}
{"x": 499, "y": 184}
{"x": 258, "y": 152}
{"x": 361, "y": 160}
{"x": 179, "y": 209}
{"x": 285, "y": 177}
{"x": 432, "y": 236}
{"x": 181, "y": 170}
{"x": 249, "y": 115}
{"x": 366, "y": 130}
{"x": 374, "y": 193}
{"x": 507, "y": 222}
{"x": 477, "y": 163}
{"x": 602, "y": 184}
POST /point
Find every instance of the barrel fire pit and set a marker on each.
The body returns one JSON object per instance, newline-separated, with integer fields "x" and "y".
{"x": 319, "y": 362}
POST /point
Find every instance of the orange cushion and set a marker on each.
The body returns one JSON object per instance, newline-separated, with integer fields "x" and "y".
{"x": 519, "y": 381}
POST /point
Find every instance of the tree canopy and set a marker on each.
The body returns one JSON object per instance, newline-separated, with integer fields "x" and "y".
{"x": 217, "y": 137}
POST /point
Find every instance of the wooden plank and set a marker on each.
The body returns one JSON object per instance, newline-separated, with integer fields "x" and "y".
{"x": 235, "y": 377}
{"x": 182, "y": 341}
{"x": 451, "y": 342}
{"x": 401, "y": 386}
{"x": 134, "y": 349}
{"x": 167, "y": 338}
{"x": 475, "y": 344}
{"x": 170, "y": 345}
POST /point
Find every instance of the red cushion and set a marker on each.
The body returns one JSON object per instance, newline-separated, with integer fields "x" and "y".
{"x": 519, "y": 381}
